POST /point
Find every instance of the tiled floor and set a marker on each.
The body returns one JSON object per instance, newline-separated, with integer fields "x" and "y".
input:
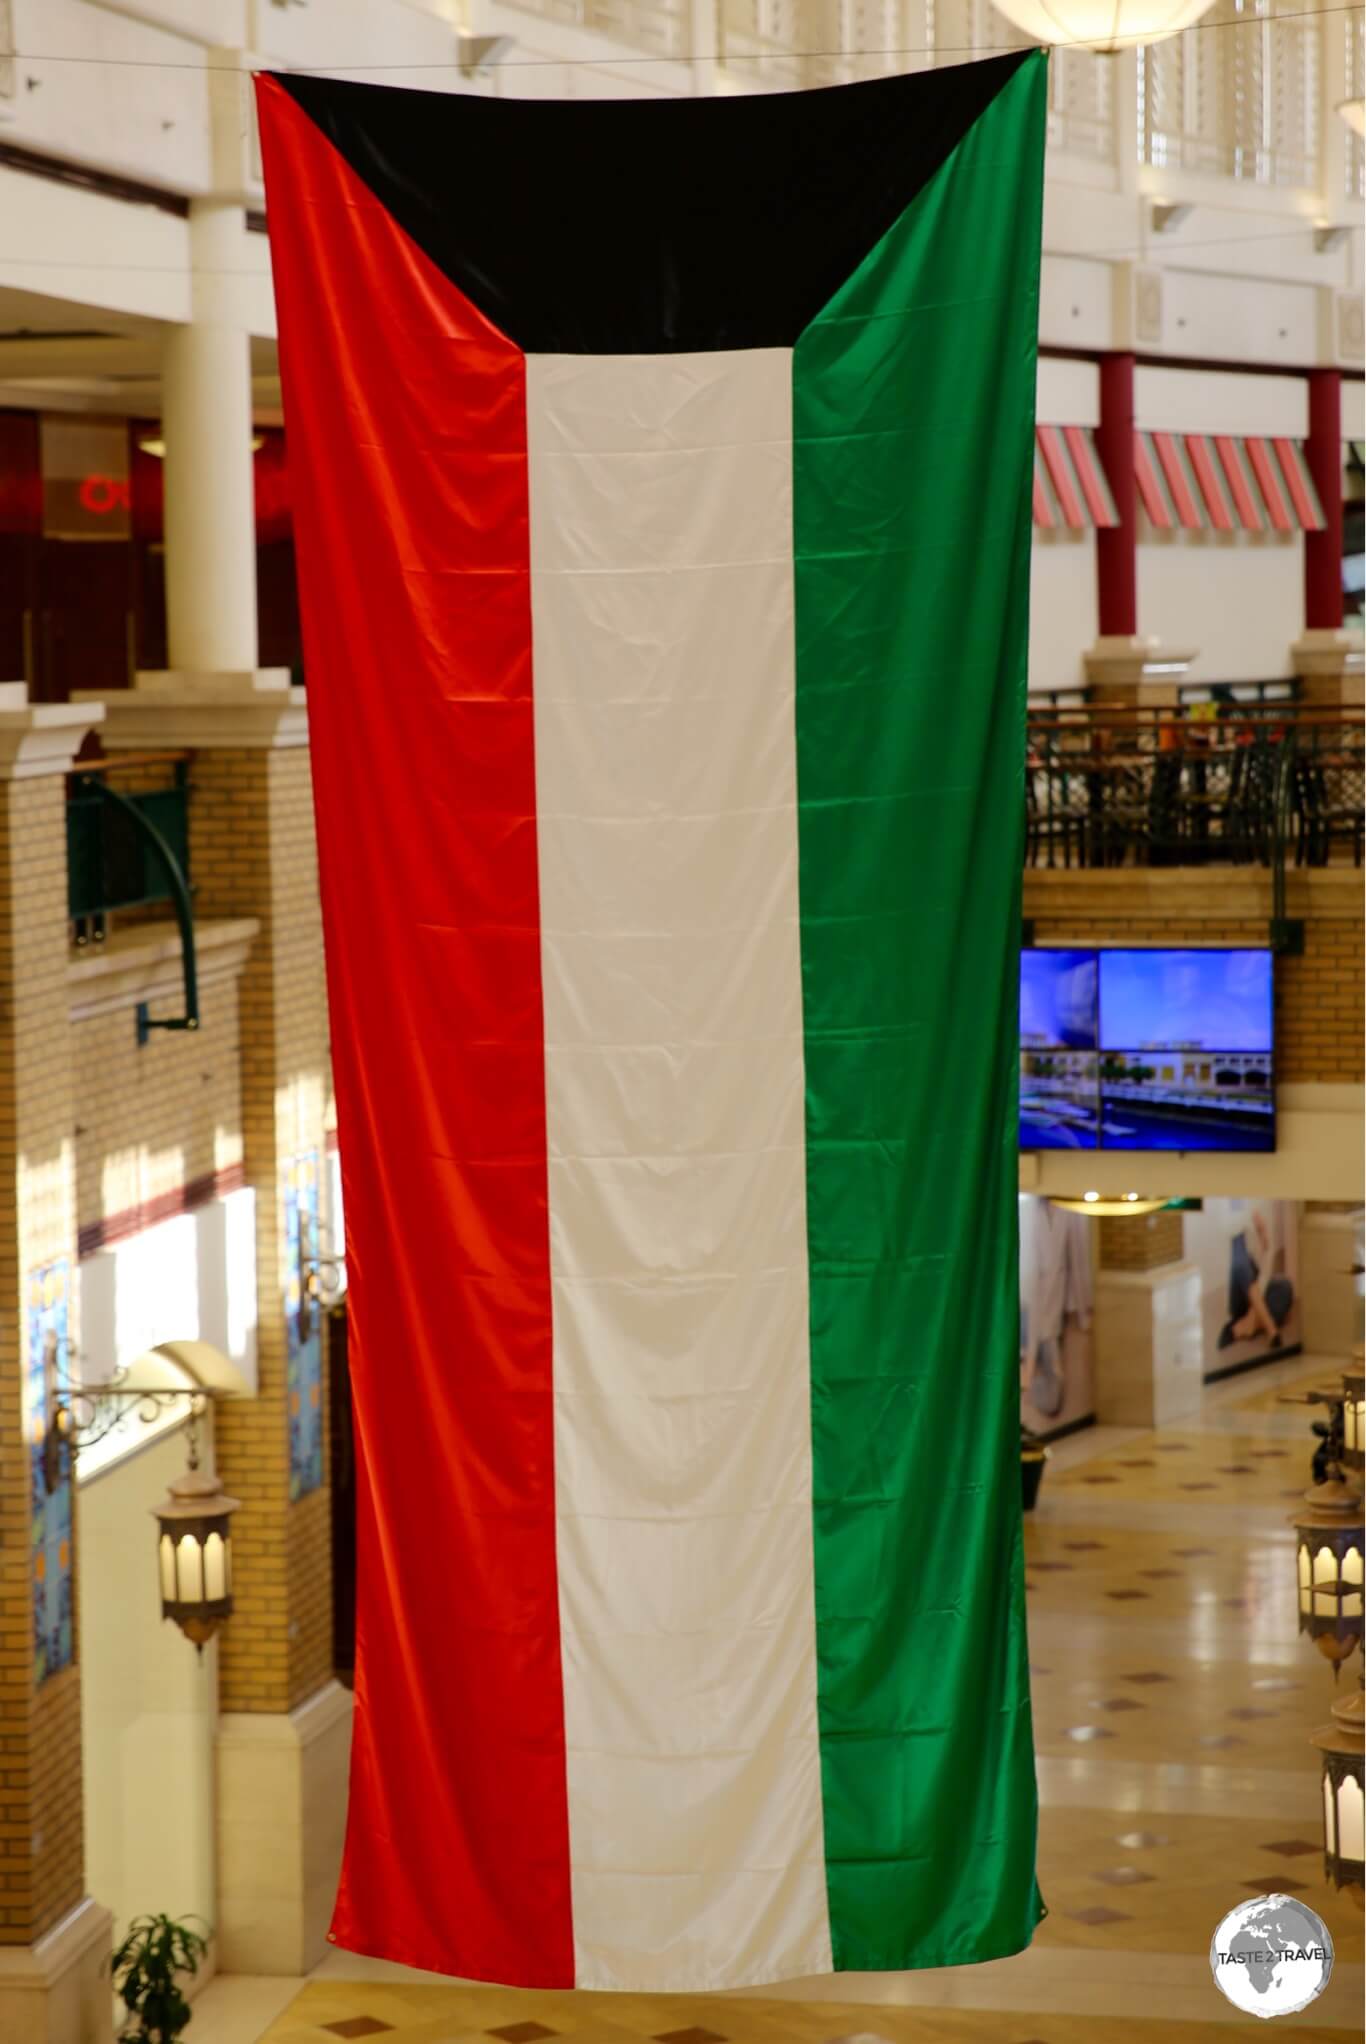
{"x": 1173, "y": 1705}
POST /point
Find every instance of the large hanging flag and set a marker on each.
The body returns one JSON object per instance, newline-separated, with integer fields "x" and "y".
{"x": 663, "y": 483}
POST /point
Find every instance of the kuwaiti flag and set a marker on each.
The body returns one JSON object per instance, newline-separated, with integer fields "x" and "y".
{"x": 663, "y": 477}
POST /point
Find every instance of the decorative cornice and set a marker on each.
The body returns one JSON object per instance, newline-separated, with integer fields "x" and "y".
{"x": 257, "y": 710}
{"x": 40, "y": 738}
{"x": 143, "y": 963}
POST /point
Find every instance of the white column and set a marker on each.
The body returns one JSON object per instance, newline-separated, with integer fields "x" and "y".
{"x": 207, "y": 427}
{"x": 1334, "y": 136}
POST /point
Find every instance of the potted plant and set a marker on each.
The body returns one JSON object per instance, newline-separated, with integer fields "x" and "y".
{"x": 1033, "y": 1455}
{"x": 147, "y": 1969}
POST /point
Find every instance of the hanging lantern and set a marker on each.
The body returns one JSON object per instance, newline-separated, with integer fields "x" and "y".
{"x": 1328, "y": 1534}
{"x": 1353, "y": 1420}
{"x": 1341, "y": 1745}
{"x": 1104, "y": 25}
{"x": 194, "y": 1522}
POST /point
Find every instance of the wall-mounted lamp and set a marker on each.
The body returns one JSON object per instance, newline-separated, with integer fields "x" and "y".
{"x": 194, "y": 1536}
{"x": 194, "y": 1548}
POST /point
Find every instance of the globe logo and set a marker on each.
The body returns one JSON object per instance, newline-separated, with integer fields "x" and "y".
{"x": 1271, "y": 1956}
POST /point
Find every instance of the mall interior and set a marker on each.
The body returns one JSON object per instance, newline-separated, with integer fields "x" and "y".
{"x": 172, "y": 1250}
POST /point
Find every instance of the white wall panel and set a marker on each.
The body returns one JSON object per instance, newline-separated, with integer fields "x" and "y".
{"x": 148, "y": 1706}
{"x": 1220, "y": 401}
{"x": 1062, "y": 608}
{"x": 1236, "y": 598}
{"x": 1068, "y": 392}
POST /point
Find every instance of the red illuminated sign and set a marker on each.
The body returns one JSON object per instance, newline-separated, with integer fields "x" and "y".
{"x": 101, "y": 496}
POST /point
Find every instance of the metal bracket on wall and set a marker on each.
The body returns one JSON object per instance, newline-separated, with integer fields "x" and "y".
{"x": 180, "y": 898}
{"x": 1285, "y": 933}
{"x": 1287, "y": 936}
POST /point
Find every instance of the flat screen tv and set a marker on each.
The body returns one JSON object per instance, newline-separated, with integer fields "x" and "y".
{"x": 1185, "y": 1050}
{"x": 1146, "y": 1050}
{"x": 1059, "y": 1070}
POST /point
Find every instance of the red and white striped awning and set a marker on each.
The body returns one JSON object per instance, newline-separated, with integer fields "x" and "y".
{"x": 1213, "y": 482}
{"x": 1069, "y": 483}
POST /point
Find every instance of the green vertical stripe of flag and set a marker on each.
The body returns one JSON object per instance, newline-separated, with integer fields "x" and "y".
{"x": 913, "y": 413}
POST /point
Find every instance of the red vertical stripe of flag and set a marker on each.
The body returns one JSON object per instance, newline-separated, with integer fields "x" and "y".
{"x": 1268, "y": 482}
{"x": 412, "y": 532}
{"x": 1244, "y": 503}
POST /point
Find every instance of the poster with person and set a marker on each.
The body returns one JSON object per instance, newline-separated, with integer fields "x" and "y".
{"x": 1056, "y": 1386}
{"x": 1247, "y": 1252}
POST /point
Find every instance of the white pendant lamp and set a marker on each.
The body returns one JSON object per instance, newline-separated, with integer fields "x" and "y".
{"x": 1104, "y": 25}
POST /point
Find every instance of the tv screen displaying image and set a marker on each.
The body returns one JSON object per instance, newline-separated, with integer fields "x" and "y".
{"x": 1059, "y": 1087}
{"x": 1185, "y": 1045}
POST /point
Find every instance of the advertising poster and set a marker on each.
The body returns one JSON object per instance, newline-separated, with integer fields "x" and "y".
{"x": 1247, "y": 1253}
{"x": 303, "y": 1327}
{"x": 1056, "y": 1390}
{"x": 50, "y": 1508}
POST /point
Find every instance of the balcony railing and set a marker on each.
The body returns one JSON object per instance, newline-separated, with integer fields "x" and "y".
{"x": 1270, "y": 784}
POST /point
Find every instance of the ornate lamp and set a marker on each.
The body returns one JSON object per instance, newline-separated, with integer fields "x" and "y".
{"x": 1104, "y": 25}
{"x": 1341, "y": 1745}
{"x": 1328, "y": 1534}
{"x": 194, "y": 1524}
{"x": 1353, "y": 1452}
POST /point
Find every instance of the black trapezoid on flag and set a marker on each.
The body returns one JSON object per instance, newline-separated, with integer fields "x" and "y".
{"x": 623, "y": 227}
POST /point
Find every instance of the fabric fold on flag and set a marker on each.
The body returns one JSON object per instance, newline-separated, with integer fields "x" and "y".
{"x": 667, "y": 739}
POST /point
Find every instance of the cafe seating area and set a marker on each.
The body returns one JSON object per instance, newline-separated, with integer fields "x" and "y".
{"x": 1216, "y": 782}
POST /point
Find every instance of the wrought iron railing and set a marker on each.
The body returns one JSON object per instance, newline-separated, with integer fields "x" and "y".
{"x": 128, "y": 847}
{"x": 111, "y": 859}
{"x": 1270, "y": 784}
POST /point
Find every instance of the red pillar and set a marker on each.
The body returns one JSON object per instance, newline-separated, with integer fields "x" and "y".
{"x": 1323, "y": 550}
{"x": 1117, "y": 546}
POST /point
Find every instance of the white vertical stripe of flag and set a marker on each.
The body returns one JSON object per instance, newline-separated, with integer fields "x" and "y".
{"x": 662, "y": 637}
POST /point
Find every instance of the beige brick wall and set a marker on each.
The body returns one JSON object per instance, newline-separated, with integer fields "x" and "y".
{"x": 156, "y": 1117}
{"x": 253, "y": 853}
{"x": 1319, "y": 997}
{"x": 41, "y": 1859}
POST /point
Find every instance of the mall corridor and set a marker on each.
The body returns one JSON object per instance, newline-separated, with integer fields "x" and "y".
{"x": 1173, "y": 1707}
